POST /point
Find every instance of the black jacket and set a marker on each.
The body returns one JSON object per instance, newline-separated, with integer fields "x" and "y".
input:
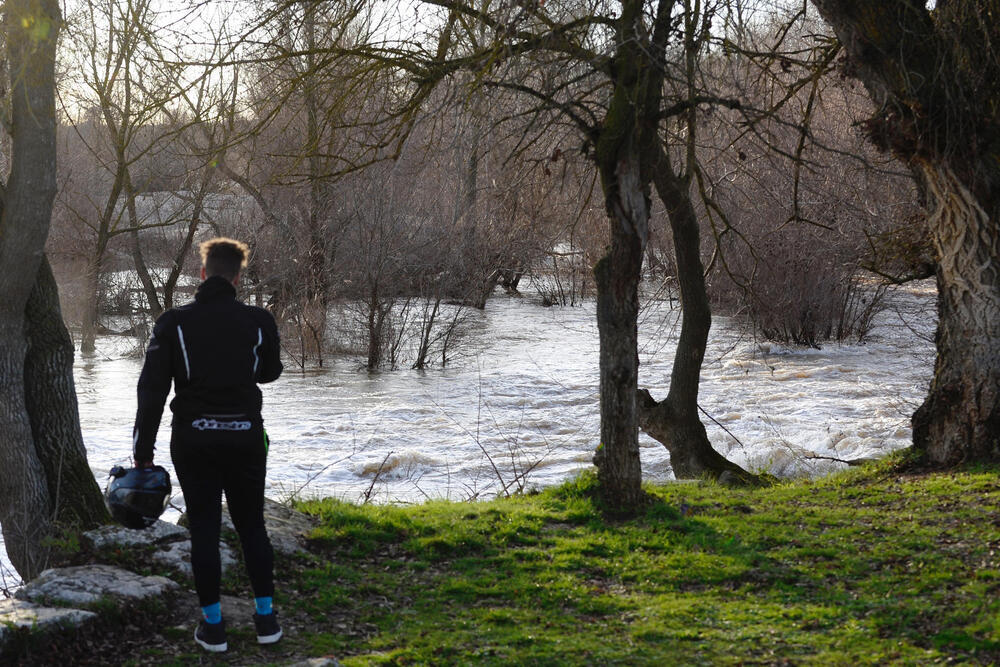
{"x": 215, "y": 350}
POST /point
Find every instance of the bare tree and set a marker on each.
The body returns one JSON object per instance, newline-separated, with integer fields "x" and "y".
{"x": 205, "y": 119}
{"x": 626, "y": 76}
{"x": 798, "y": 201}
{"x": 285, "y": 152}
{"x": 128, "y": 96}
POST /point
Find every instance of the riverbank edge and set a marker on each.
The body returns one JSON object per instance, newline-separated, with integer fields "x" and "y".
{"x": 877, "y": 565}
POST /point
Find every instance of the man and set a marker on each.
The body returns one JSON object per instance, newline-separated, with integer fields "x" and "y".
{"x": 216, "y": 350}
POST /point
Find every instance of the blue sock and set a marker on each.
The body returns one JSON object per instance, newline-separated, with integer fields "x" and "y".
{"x": 212, "y": 613}
{"x": 263, "y": 605}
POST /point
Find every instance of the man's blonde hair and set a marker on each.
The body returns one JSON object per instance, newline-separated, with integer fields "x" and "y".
{"x": 223, "y": 257}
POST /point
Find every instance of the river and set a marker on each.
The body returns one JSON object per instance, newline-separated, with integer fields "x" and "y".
{"x": 518, "y": 409}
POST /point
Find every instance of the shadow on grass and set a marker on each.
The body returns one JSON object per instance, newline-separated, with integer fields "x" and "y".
{"x": 702, "y": 574}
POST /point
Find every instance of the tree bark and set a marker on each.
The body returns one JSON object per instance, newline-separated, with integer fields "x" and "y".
{"x": 24, "y": 497}
{"x": 619, "y": 470}
{"x": 31, "y": 28}
{"x": 52, "y": 408}
{"x": 959, "y": 420}
{"x": 935, "y": 81}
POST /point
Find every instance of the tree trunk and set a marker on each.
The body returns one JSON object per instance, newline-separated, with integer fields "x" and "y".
{"x": 625, "y": 153}
{"x": 426, "y": 329}
{"x": 148, "y": 286}
{"x": 960, "y": 418}
{"x": 376, "y": 321}
{"x": 934, "y": 79}
{"x": 31, "y": 28}
{"x": 619, "y": 469}
{"x": 316, "y": 303}
{"x": 617, "y": 275}
{"x": 24, "y": 496}
{"x": 177, "y": 265}
{"x": 91, "y": 296}
{"x": 675, "y": 421}
{"x": 95, "y": 264}
{"x": 52, "y": 408}
{"x": 483, "y": 290}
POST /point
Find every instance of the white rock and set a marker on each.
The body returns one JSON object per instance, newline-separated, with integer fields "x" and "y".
{"x": 285, "y": 526}
{"x": 158, "y": 533}
{"x": 177, "y": 556}
{"x": 21, "y": 614}
{"x": 87, "y": 584}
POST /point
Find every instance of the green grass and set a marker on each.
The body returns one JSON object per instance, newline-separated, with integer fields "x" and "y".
{"x": 866, "y": 567}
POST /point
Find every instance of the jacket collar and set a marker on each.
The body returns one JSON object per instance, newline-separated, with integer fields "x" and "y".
{"x": 215, "y": 288}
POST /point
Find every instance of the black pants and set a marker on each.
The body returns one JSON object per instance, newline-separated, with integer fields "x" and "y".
{"x": 236, "y": 465}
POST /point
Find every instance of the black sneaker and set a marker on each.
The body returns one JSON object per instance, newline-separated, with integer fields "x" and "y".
{"x": 212, "y": 636}
{"x": 268, "y": 630}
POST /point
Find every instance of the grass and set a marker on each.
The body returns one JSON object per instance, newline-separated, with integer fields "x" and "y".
{"x": 866, "y": 567}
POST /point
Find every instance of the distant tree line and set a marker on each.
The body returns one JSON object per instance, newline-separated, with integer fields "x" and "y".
{"x": 401, "y": 217}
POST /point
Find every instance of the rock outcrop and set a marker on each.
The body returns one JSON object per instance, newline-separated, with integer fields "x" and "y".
{"x": 65, "y": 599}
{"x": 27, "y": 616}
{"x": 85, "y": 585}
{"x": 160, "y": 532}
{"x": 51, "y": 603}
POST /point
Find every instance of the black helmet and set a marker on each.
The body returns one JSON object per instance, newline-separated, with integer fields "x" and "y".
{"x": 137, "y": 497}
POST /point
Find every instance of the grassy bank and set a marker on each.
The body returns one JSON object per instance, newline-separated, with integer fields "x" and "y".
{"x": 871, "y": 567}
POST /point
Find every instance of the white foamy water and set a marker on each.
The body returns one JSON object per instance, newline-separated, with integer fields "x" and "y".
{"x": 520, "y": 407}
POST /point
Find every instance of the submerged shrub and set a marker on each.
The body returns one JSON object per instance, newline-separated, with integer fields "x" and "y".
{"x": 797, "y": 288}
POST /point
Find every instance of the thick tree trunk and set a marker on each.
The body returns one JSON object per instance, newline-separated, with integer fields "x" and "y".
{"x": 617, "y": 276}
{"x": 691, "y": 453}
{"x": 24, "y": 496}
{"x": 625, "y": 152}
{"x": 31, "y": 28}
{"x": 675, "y": 421}
{"x": 50, "y": 397}
{"x": 934, "y": 79}
{"x": 960, "y": 418}
{"x": 619, "y": 469}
